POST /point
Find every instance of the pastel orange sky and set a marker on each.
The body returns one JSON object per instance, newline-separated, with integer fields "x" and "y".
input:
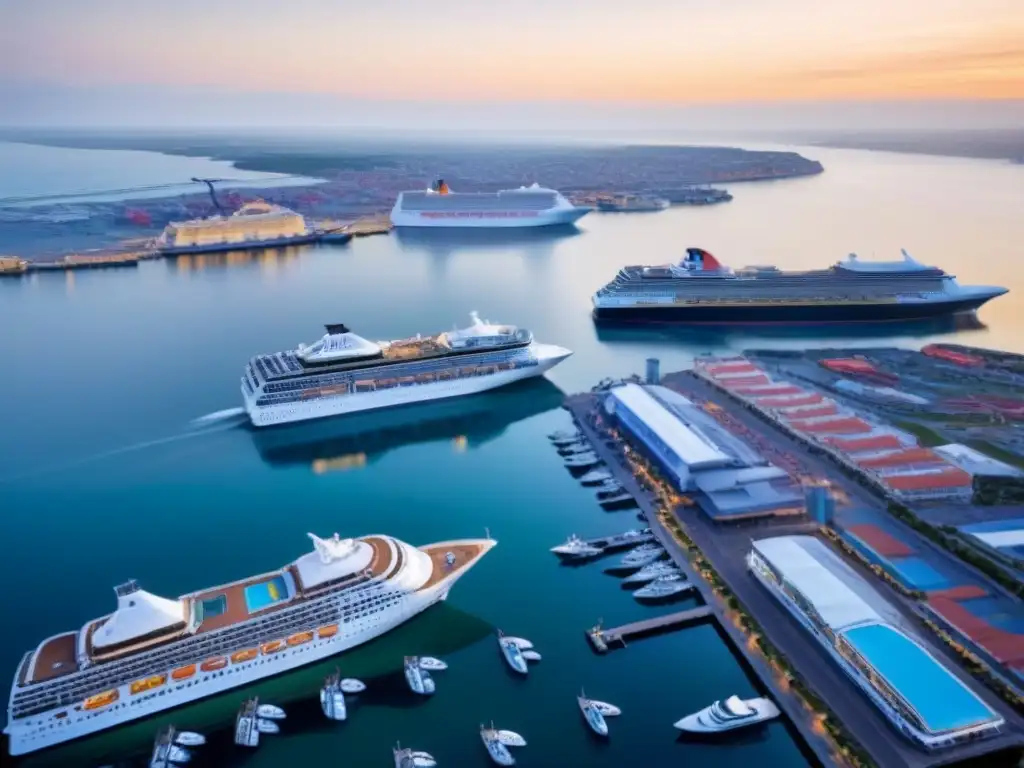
{"x": 667, "y": 51}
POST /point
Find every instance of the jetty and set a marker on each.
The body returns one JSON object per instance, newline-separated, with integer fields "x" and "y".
{"x": 603, "y": 639}
{"x": 370, "y": 225}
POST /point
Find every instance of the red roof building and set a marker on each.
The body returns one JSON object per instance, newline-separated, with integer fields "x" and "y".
{"x": 778, "y": 389}
{"x": 951, "y": 356}
{"x": 904, "y": 457}
{"x": 948, "y": 478}
{"x": 856, "y": 444}
{"x": 781, "y": 402}
{"x": 811, "y": 412}
{"x": 845, "y": 425}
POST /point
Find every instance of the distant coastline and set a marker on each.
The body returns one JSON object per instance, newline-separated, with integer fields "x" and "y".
{"x": 975, "y": 144}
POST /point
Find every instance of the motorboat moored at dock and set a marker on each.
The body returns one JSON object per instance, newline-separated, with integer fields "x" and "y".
{"x": 582, "y": 460}
{"x": 663, "y": 586}
{"x": 726, "y": 715}
{"x": 652, "y": 571}
{"x": 576, "y": 548}
{"x": 642, "y": 555}
{"x": 596, "y": 477}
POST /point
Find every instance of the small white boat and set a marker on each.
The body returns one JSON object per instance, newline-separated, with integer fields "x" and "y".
{"x": 418, "y": 679}
{"x": 606, "y": 709}
{"x": 332, "y": 702}
{"x": 596, "y": 477}
{"x": 575, "y": 547}
{"x": 582, "y": 460}
{"x": 531, "y": 656}
{"x": 563, "y": 435}
{"x": 651, "y": 571}
{"x": 642, "y": 555}
{"x": 579, "y": 446}
{"x": 519, "y": 642}
{"x": 433, "y": 664}
{"x": 177, "y": 754}
{"x": 593, "y": 716}
{"x": 498, "y": 752}
{"x": 512, "y": 653}
{"x": 270, "y": 712}
{"x": 663, "y": 586}
{"x": 267, "y": 726}
{"x": 351, "y": 685}
{"x": 511, "y": 739}
{"x": 189, "y": 739}
{"x": 423, "y": 760}
{"x": 726, "y": 715}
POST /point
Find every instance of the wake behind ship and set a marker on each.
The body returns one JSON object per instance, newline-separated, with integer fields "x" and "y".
{"x": 153, "y": 654}
{"x": 700, "y": 290}
{"x": 345, "y": 373}
{"x": 533, "y": 206}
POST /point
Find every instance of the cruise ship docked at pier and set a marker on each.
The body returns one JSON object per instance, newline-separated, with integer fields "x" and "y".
{"x": 345, "y": 373}
{"x": 152, "y": 654}
{"x": 700, "y": 290}
{"x": 532, "y": 206}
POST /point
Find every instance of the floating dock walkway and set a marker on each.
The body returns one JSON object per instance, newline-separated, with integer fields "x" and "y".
{"x": 602, "y": 639}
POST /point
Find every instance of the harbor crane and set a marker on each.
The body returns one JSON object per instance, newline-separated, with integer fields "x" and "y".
{"x": 213, "y": 194}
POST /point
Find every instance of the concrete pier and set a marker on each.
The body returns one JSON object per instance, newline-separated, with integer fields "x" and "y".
{"x": 602, "y": 639}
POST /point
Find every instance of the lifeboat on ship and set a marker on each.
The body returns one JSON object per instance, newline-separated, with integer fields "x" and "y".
{"x": 148, "y": 683}
{"x": 299, "y": 638}
{"x": 272, "y": 647}
{"x": 212, "y": 665}
{"x": 101, "y": 700}
{"x": 239, "y": 657}
{"x": 328, "y": 631}
{"x": 183, "y": 673}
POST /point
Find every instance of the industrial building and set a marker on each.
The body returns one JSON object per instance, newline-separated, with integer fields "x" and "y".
{"x": 890, "y": 458}
{"x": 730, "y": 479}
{"x": 863, "y": 634}
{"x": 975, "y": 462}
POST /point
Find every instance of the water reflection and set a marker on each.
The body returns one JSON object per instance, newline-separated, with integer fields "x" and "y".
{"x": 350, "y": 442}
{"x": 265, "y": 258}
{"x": 440, "y": 631}
{"x": 726, "y": 336}
{"x": 442, "y": 240}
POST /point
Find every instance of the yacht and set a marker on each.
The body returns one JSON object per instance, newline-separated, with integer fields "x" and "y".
{"x": 344, "y": 373}
{"x": 576, "y": 548}
{"x": 332, "y": 699}
{"x": 497, "y": 751}
{"x": 592, "y": 715}
{"x": 564, "y": 436}
{"x": 582, "y": 460}
{"x": 642, "y": 555}
{"x": 153, "y": 653}
{"x": 513, "y": 653}
{"x": 734, "y": 712}
{"x": 432, "y": 664}
{"x": 417, "y": 677}
{"x": 438, "y": 206}
{"x": 663, "y": 586}
{"x": 596, "y": 477}
{"x": 408, "y": 758}
{"x": 246, "y": 732}
{"x": 652, "y": 571}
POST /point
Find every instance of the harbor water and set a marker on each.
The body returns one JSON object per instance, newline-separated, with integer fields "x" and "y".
{"x": 122, "y": 455}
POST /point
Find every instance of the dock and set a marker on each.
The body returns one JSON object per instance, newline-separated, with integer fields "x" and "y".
{"x": 603, "y": 639}
{"x": 370, "y": 225}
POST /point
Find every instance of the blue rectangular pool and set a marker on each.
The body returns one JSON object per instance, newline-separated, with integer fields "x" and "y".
{"x": 265, "y": 594}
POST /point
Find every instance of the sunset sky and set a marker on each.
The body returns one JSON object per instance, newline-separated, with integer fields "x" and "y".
{"x": 667, "y": 52}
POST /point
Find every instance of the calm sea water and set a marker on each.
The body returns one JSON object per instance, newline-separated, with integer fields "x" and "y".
{"x": 105, "y": 475}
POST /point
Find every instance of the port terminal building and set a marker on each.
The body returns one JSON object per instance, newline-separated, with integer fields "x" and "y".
{"x": 889, "y": 458}
{"x": 730, "y": 480}
{"x": 866, "y": 637}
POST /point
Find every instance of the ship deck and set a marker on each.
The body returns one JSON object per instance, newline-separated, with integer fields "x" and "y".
{"x": 55, "y": 657}
{"x": 466, "y": 553}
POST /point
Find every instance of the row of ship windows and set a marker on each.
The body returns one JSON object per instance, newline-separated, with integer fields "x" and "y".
{"x": 266, "y": 629}
{"x": 394, "y": 371}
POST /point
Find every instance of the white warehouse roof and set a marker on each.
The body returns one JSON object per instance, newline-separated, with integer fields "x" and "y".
{"x": 813, "y": 570}
{"x": 976, "y": 462}
{"x": 691, "y": 447}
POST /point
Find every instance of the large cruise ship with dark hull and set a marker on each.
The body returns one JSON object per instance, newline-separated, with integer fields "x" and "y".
{"x": 700, "y": 290}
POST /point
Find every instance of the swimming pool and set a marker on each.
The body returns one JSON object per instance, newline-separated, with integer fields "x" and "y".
{"x": 265, "y": 594}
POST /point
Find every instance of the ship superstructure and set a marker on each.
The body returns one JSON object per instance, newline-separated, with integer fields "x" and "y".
{"x": 701, "y": 290}
{"x": 153, "y": 653}
{"x": 345, "y": 373}
{"x": 255, "y": 225}
{"x": 532, "y": 206}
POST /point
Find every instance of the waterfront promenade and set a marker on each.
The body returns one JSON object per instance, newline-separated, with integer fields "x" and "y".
{"x": 725, "y": 551}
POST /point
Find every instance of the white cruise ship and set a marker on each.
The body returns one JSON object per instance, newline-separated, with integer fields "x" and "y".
{"x": 152, "y": 654}
{"x": 344, "y": 373}
{"x": 532, "y": 206}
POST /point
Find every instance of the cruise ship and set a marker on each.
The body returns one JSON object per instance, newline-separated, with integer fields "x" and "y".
{"x": 345, "y": 373}
{"x": 255, "y": 225}
{"x": 532, "y": 206}
{"x": 152, "y": 654}
{"x": 701, "y": 290}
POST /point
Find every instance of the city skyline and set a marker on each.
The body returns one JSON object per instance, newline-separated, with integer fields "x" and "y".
{"x": 653, "y": 53}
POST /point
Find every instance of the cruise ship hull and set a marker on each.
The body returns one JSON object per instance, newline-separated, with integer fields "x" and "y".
{"x": 789, "y": 314}
{"x": 262, "y": 416}
{"x": 42, "y": 731}
{"x": 253, "y": 245}
{"x": 488, "y": 219}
